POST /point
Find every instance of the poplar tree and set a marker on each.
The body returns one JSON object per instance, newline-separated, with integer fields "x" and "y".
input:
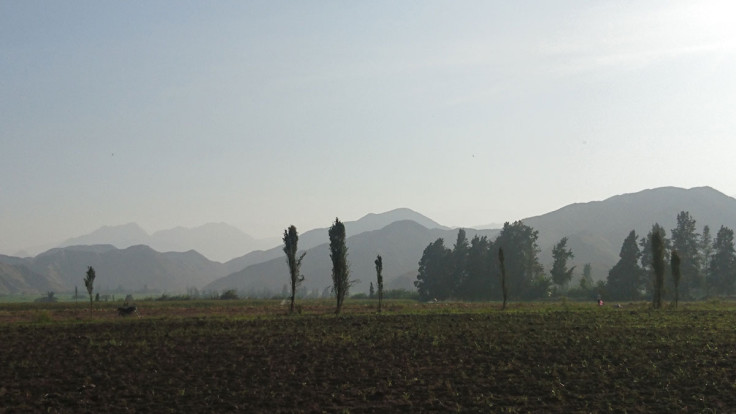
{"x": 291, "y": 241}
{"x": 658, "y": 265}
{"x": 686, "y": 240}
{"x": 722, "y": 266}
{"x": 675, "y": 266}
{"x": 706, "y": 251}
{"x": 647, "y": 257}
{"x": 561, "y": 275}
{"x": 503, "y": 276}
{"x": 379, "y": 280}
{"x": 340, "y": 267}
{"x": 89, "y": 282}
{"x": 586, "y": 282}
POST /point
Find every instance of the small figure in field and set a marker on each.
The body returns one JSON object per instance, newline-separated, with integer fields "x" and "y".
{"x": 600, "y": 300}
{"x": 127, "y": 310}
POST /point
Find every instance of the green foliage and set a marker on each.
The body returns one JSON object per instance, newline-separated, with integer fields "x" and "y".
{"x": 586, "y": 281}
{"x": 523, "y": 270}
{"x": 687, "y": 242}
{"x": 230, "y": 294}
{"x": 675, "y": 266}
{"x": 340, "y": 268}
{"x": 722, "y": 268}
{"x": 379, "y": 280}
{"x": 626, "y": 279}
{"x": 89, "y": 282}
{"x": 647, "y": 258}
{"x": 658, "y": 266}
{"x": 49, "y": 298}
{"x": 478, "y": 282}
{"x": 470, "y": 271}
{"x": 291, "y": 241}
{"x": 561, "y": 274}
{"x": 502, "y": 264}
{"x": 706, "y": 251}
{"x": 434, "y": 277}
{"x": 459, "y": 259}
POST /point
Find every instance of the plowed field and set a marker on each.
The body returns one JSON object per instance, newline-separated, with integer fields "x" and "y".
{"x": 475, "y": 359}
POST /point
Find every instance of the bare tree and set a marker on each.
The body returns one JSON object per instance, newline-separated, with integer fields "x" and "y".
{"x": 291, "y": 240}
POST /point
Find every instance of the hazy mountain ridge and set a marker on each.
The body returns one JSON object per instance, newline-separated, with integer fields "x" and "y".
{"x": 316, "y": 237}
{"x": 19, "y": 279}
{"x": 135, "y": 268}
{"x": 400, "y": 244}
{"x": 216, "y": 241}
{"x": 141, "y": 267}
{"x": 225, "y": 243}
{"x": 595, "y": 230}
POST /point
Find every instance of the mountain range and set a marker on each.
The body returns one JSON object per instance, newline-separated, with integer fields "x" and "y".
{"x": 216, "y": 241}
{"x": 595, "y": 231}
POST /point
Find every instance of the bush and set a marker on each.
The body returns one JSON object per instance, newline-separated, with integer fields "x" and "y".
{"x": 49, "y": 298}
{"x": 229, "y": 294}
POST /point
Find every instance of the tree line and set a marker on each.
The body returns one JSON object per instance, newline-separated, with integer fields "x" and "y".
{"x": 688, "y": 265}
{"x": 471, "y": 269}
{"x": 699, "y": 265}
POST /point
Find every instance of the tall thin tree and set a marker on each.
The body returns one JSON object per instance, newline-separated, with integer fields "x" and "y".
{"x": 706, "y": 251}
{"x": 89, "y": 282}
{"x": 379, "y": 277}
{"x": 560, "y": 273}
{"x": 722, "y": 266}
{"x": 340, "y": 268}
{"x": 675, "y": 265}
{"x": 503, "y": 276}
{"x": 658, "y": 265}
{"x": 686, "y": 240}
{"x": 291, "y": 241}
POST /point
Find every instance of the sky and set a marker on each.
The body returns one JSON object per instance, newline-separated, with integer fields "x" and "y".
{"x": 263, "y": 114}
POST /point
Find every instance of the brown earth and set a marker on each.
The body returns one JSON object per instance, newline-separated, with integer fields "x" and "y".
{"x": 431, "y": 361}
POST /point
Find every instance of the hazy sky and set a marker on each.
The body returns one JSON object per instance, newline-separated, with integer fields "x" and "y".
{"x": 268, "y": 113}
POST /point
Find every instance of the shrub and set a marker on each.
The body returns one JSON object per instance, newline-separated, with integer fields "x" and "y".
{"x": 229, "y": 294}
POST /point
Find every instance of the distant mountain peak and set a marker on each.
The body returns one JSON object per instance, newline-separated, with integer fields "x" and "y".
{"x": 373, "y": 221}
{"x": 119, "y": 236}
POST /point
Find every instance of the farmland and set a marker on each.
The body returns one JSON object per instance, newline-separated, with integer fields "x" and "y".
{"x": 245, "y": 356}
